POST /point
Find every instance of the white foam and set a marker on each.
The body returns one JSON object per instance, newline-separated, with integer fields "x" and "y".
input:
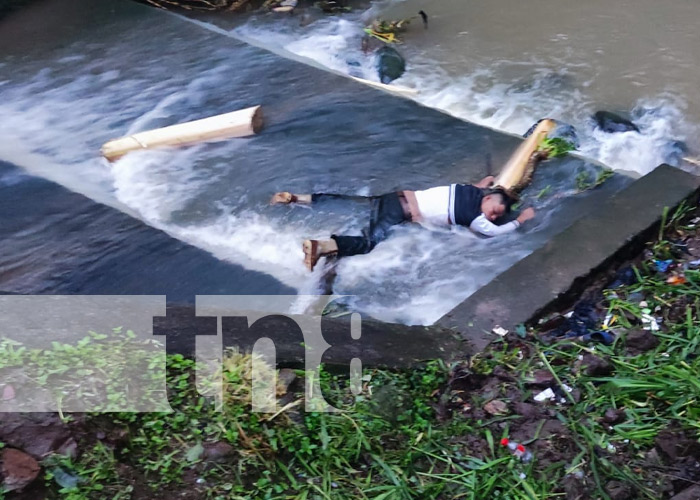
{"x": 484, "y": 97}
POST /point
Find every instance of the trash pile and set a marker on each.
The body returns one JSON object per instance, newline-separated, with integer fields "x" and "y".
{"x": 600, "y": 316}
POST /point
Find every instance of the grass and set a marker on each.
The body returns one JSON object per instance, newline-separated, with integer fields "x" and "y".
{"x": 415, "y": 434}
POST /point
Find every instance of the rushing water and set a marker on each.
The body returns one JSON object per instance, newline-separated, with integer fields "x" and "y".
{"x": 91, "y": 75}
{"x": 506, "y": 63}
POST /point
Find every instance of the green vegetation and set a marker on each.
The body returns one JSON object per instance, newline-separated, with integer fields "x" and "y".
{"x": 584, "y": 182}
{"x": 555, "y": 147}
{"x": 428, "y": 433}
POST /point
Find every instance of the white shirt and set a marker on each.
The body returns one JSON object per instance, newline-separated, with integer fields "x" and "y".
{"x": 434, "y": 205}
{"x": 485, "y": 227}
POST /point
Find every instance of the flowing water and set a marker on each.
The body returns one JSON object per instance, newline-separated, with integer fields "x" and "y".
{"x": 76, "y": 73}
{"x": 506, "y": 63}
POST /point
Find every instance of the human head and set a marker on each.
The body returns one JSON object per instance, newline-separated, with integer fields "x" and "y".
{"x": 495, "y": 204}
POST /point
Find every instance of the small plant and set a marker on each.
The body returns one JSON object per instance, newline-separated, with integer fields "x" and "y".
{"x": 584, "y": 182}
{"x": 544, "y": 192}
{"x": 555, "y": 147}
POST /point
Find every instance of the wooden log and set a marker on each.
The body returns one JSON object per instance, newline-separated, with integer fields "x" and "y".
{"x": 242, "y": 123}
{"x": 518, "y": 166}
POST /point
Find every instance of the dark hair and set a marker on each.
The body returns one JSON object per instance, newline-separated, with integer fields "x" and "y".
{"x": 506, "y": 198}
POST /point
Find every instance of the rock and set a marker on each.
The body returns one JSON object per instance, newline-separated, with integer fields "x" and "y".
{"x": 575, "y": 488}
{"x": 18, "y": 469}
{"x": 613, "y": 416}
{"x": 541, "y": 378}
{"x": 496, "y": 407}
{"x": 596, "y": 367}
{"x": 390, "y": 64}
{"x": 612, "y": 123}
{"x": 692, "y": 493}
{"x": 38, "y": 434}
{"x": 618, "y": 490}
{"x": 527, "y": 410}
{"x": 639, "y": 341}
{"x": 217, "y": 452}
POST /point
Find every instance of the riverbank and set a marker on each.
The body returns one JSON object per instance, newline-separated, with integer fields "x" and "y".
{"x": 626, "y": 430}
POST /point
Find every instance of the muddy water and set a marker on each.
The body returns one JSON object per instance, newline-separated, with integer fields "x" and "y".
{"x": 505, "y": 63}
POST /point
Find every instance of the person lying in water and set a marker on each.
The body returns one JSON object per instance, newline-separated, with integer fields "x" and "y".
{"x": 474, "y": 206}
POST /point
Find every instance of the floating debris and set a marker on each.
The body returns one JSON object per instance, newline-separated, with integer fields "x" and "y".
{"x": 388, "y": 31}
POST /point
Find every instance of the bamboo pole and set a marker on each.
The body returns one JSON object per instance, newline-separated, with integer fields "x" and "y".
{"x": 242, "y": 123}
{"x": 518, "y": 166}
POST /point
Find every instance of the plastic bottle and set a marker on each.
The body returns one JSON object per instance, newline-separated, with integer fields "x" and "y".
{"x": 518, "y": 450}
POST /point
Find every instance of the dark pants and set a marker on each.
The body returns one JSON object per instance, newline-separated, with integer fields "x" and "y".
{"x": 386, "y": 211}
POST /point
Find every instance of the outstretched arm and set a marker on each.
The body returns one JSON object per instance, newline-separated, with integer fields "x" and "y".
{"x": 485, "y": 227}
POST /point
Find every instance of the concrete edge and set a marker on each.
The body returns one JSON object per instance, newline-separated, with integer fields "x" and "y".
{"x": 552, "y": 277}
{"x": 381, "y": 345}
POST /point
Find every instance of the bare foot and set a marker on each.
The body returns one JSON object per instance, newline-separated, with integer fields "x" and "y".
{"x": 315, "y": 249}
{"x": 282, "y": 198}
{"x": 311, "y": 254}
{"x": 285, "y": 198}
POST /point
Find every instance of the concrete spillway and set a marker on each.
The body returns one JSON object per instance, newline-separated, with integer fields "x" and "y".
{"x": 196, "y": 221}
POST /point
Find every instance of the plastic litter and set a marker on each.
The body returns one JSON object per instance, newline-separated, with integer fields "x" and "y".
{"x": 546, "y": 395}
{"x": 649, "y": 322}
{"x": 694, "y": 264}
{"x": 602, "y": 337}
{"x": 662, "y": 265}
{"x": 65, "y": 479}
{"x": 500, "y": 331}
{"x": 676, "y": 279}
{"x": 518, "y": 450}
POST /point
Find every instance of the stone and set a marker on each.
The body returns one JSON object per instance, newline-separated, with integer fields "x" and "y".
{"x": 612, "y": 123}
{"x": 527, "y": 410}
{"x": 496, "y": 407}
{"x": 38, "y": 434}
{"x": 541, "y": 378}
{"x": 639, "y": 341}
{"x": 618, "y": 490}
{"x": 18, "y": 469}
{"x": 596, "y": 367}
{"x": 217, "y": 452}
{"x": 613, "y": 416}
{"x": 390, "y": 64}
{"x": 692, "y": 493}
